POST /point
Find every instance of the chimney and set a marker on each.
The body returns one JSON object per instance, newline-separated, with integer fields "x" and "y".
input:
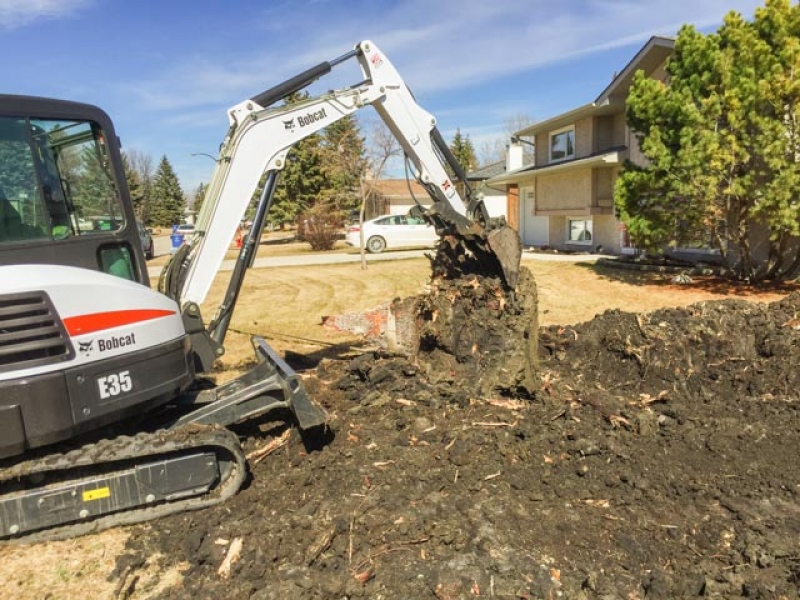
{"x": 514, "y": 156}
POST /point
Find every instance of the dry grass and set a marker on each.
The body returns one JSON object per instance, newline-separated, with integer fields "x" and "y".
{"x": 285, "y": 305}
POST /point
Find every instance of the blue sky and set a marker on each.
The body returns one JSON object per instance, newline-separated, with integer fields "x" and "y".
{"x": 167, "y": 71}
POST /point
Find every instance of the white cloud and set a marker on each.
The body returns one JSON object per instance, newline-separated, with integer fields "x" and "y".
{"x": 478, "y": 45}
{"x": 436, "y": 46}
{"x": 19, "y": 13}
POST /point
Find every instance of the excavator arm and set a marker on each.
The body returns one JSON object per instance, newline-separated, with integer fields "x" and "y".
{"x": 257, "y": 143}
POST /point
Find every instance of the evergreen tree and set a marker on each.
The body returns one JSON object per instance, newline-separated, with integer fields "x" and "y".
{"x": 135, "y": 188}
{"x": 142, "y": 165}
{"x": 301, "y": 179}
{"x": 722, "y": 140}
{"x": 168, "y": 202}
{"x": 463, "y": 150}
{"x": 343, "y": 164}
{"x": 91, "y": 185}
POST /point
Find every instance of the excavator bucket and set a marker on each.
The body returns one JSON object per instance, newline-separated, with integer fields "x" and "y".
{"x": 506, "y": 246}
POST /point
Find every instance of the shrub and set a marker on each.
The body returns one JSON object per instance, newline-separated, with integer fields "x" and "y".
{"x": 320, "y": 227}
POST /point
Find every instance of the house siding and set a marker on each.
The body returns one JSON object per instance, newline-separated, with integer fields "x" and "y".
{"x": 564, "y": 191}
{"x": 584, "y": 140}
{"x": 610, "y": 132}
{"x": 604, "y": 188}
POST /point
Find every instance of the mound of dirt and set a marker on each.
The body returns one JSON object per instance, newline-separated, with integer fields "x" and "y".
{"x": 645, "y": 456}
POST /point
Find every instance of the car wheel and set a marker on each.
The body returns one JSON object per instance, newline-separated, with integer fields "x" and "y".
{"x": 148, "y": 253}
{"x": 376, "y": 244}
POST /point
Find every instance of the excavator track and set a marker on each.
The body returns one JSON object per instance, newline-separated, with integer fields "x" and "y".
{"x": 119, "y": 481}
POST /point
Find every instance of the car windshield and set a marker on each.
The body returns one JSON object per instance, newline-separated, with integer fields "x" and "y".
{"x": 56, "y": 180}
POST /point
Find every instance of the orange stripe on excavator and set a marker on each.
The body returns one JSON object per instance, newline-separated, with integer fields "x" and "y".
{"x": 83, "y": 324}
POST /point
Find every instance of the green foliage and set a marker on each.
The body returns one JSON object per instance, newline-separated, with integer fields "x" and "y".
{"x": 322, "y": 173}
{"x": 463, "y": 150}
{"x": 301, "y": 179}
{"x": 139, "y": 175}
{"x": 135, "y": 188}
{"x": 92, "y": 187}
{"x": 17, "y": 166}
{"x": 722, "y": 141}
{"x": 168, "y": 201}
{"x": 343, "y": 164}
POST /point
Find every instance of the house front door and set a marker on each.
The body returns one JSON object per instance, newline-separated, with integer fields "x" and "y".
{"x": 535, "y": 229}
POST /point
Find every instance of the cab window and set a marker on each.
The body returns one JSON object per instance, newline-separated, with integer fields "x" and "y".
{"x": 56, "y": 180}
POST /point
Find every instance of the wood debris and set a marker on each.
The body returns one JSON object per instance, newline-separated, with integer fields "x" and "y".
{"x": 234, "y": 551}
{"x": 321, "y": 544}
{"x": 256, "y": 456}
{"x": 507, "y": 403}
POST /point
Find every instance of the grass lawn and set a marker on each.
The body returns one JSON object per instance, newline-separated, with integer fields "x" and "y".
{"x": 285, "y": 305}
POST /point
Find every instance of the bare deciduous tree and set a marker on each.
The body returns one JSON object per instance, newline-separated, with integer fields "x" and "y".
{"x": 494, "y": 150}
{"x": 142, "y": 164}
{"x": 382, "y": 146}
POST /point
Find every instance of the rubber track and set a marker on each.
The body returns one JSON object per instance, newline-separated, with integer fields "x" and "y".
{"x": 127, "y": 449}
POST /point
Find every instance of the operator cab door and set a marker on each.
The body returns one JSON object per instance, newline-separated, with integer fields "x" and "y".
{"x": 63, "y": 200}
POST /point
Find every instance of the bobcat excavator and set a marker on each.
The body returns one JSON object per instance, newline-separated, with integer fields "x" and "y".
{"x": 102, "y": 420}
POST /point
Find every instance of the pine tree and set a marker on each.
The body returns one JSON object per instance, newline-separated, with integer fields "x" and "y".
{"x": 92, "y": 187}
{"x": 168, "y": 202}
{"x": 463, "y": 150}
{"x": 301, "y": 179}
{"x": 141, "y": 165}
{"x": 343, "y": 164}
{"x": 722, "y": 141}
{"x": 135, "y": 188}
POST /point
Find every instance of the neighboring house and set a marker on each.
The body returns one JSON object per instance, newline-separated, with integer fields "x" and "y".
{"x": 566, "y": 199}
{"x": 397, "y": 196}
{"x": 394, "y": 196}
{"x": 495, "y": 197}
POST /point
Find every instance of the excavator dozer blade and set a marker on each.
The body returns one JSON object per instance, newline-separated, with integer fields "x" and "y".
{"x": 271, "y": 384}
{"x": 505, "y": 243}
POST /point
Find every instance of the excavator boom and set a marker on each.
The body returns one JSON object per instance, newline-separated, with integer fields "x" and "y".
{"x": 260, "y": 137}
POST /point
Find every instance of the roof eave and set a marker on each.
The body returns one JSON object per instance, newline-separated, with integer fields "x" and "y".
{"x": 612, "y": 158}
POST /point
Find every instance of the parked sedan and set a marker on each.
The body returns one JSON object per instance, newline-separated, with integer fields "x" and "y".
{"x": 393, "y": 231}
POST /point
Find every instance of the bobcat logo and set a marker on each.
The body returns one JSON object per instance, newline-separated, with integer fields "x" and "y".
{"x": 289, "y": 125}
{"x": 85, "y": 347}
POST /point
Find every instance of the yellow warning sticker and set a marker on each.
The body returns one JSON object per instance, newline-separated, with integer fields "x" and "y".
{"x": 97, "y": 494}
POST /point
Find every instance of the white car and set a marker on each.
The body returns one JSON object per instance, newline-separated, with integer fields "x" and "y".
{"x": 393, "y": 231}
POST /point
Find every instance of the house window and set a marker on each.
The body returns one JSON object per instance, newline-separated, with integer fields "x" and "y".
{"x": 562, "y": 144}
{"x": 580, "y": 231}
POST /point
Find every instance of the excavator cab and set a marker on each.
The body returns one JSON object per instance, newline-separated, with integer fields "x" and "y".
{"x": 63, "y": 196}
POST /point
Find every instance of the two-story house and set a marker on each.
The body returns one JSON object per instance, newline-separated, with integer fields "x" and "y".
{"x": 565, "y": 200}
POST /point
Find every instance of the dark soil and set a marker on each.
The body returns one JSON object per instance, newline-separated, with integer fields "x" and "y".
{"x": 647, "y": 456}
